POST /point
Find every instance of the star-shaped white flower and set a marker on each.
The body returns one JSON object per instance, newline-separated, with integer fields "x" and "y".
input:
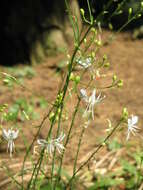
{"x": 132, "y": 128}
{"x": 91, "y": 101}
{"x": 51, "y": 144}
{"x": 10, "y": 136}
{"x": 85, "y": 63}
{"x": 83, "y": 95}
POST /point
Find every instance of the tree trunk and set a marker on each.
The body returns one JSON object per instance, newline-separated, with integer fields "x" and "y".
{"x": 30, "y": 28}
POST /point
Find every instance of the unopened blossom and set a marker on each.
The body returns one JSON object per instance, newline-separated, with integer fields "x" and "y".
{"x": 51, "y": 144}
{"x": 91, "y": 101}
{"x": 10, "y": 136}
{"x": 132, "y": 128}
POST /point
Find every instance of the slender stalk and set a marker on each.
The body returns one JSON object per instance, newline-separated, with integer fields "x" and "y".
{"x": 54, "y": 155}
{"x": 138, "y": 177}
{"x": 67, "y": 140}
{"x": 71, "y": 20}
{"x": 78, "y": 149}
{"x": 38, "y": 164}
{"x": 31, "y": 145}
{"x": 90, "y": 14}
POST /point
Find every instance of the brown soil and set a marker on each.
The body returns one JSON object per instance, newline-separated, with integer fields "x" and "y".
{"x": 126, "y": 61}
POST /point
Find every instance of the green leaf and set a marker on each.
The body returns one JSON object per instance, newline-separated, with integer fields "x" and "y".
{"x": 114, "y": 145}
{"x": 105, "y": 182}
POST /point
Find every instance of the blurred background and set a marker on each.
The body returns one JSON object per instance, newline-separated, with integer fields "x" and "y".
{"x": 28, "y": 25}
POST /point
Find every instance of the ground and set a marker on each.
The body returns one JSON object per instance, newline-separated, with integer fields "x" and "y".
{"x": 126, "y": 61}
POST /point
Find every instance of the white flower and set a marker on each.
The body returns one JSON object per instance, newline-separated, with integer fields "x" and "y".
{"x": 51, "y": 144}
{"x": 91, "y": 101}
{"x": 58, "y": 143}
{"x": 46, "y": 144}
{"x": 132, "y": 128}
{"x": 83, "y": 95}
{"x": 85, "y": 63}
{"x": 10, "y": 136}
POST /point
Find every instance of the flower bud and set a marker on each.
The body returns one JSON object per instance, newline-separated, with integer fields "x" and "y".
{"x": 77, "y": 79}
{"x": 72, "y": 77}
{"x": 130, "y": 11}
{"x": 85, "y": 40}
{"x": 82, "y": 12}
{"x": 139, "y": 15}
{"x": 104, "y": 57}
{"x": 51, "y": 116}
{"x": 125, "y": 113}
{"x": 94, "y": 30}
{"x": 107, "y": 64}
{"x": 92, "y": 54}
{"x": 120, "y": 83}
{"x": 114, "y": 78}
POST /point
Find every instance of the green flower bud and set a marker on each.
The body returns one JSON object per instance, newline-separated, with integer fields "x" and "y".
{"x": 104, "y": 57}
{"x": 99, "y": 43}
{"x": 92, "y": 54}
{"x": 93, "y": 30}
{"x": 59, "y": 110}
{"x": 77, "y": 79}
{"x": 107, "y": 64}
{"x": 130, "y": 11}
{"x": 103, "y": 144}
{"x": 139, "y": 15}
{"x": 110, "y": 26}
{"x": 120, "y": 83}
{"x": 114, "y": 78}
{"x": 57, "y": 117}
{"x": 76, "y": 44}
{"x": 85, "y": 40}
{"x": 72, "y": 77}
{"x": 68, "y": 56}
{"x": 125, "y": 113}
{"x": 51, "y": 116}
{"x": 82, "y": 12}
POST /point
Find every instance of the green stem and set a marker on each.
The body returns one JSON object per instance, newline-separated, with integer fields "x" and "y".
{"x": 31, "y": 145}
{"x": 78, "y": 149}
{"x": 54, "y": 155}
{"x": 138, "y": 178}
{"x": 38, "y": 164}
{"x": 67, "y": 140}
{"x": 90, "y": 14}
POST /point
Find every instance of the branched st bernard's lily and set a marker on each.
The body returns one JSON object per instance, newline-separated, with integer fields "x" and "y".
{"x": 51, "y": 144}
{"x": 10, "y": 136}
{"x": 132, "y": 128}
{"x": 91, "y": 101}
